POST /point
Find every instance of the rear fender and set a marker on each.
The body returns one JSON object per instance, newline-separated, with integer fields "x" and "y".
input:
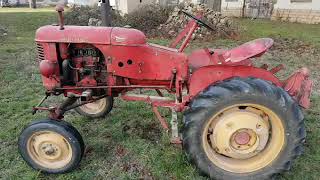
{"x": 205, "y": 76}
{"x": 299, "y": 86}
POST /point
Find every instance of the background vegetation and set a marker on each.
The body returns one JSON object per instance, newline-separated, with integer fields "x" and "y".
{"x": 146, "y": 19}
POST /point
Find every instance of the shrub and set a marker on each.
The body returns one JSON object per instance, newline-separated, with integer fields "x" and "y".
{"x": 146, "y": 18}
{"x": 80, "y": 15}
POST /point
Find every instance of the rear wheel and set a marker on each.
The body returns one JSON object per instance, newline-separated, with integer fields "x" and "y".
{"x": 243, "y": 129}
{"x": 97, "y": 109}
{"x": 51, "y": 146}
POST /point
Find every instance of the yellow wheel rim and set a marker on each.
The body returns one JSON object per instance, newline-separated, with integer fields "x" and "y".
{"x": 49, "y": 149}
{"x": 94, "y": 107}
{"x": 243, "y": 138}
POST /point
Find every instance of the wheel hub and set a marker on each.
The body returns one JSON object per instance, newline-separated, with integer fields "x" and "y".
{"x": 239, "y": 134}
{"x": 49, "y": 149}
{"x": 242, "y": 138}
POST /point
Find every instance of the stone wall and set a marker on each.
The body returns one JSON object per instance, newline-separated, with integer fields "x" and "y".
{"x": 232, "y": 8}
{"x": 297, "y": 15}
{"x": 232, "y": 12}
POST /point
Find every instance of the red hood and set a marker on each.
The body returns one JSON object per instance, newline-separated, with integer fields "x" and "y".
{"x": 90, "y": 34}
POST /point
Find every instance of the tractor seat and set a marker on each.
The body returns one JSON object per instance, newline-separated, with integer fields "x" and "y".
{"x": 248, "y": 50}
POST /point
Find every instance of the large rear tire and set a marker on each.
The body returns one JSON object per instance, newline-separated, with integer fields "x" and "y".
{"x": 97, "y": 109}
{"x": 51, "y": 146}
{"x": 243, "y": 129}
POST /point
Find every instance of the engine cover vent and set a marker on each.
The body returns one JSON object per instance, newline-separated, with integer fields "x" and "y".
{"x": 40, "y": 53}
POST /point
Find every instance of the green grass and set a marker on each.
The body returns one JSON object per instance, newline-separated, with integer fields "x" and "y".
{"x": 263, "y": 28}
{"x": 145, "y": 149}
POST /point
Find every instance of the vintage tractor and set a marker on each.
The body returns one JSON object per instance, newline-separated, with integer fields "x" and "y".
{"x": 239, "y": 121}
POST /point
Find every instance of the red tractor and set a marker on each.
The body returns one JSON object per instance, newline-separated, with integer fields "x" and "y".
{"x": 239, "y": 121}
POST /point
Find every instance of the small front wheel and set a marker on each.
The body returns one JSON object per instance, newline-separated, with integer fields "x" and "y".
{"x": 51, "y": 146}
{"x": 97, "y": 109}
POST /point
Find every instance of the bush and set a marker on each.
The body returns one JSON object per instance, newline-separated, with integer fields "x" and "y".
{"x": 146, "y": 18}
{"x": 80, "y": 15}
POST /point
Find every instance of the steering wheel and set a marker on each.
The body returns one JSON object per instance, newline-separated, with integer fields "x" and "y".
{"x": 199, "y": 21}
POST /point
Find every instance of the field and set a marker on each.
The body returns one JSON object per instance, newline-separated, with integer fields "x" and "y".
{"x": 129, "y": 143}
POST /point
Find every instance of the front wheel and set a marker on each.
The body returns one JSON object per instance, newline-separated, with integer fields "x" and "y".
{"x": 243, "y": 129}
{"x": 51, "y": 146}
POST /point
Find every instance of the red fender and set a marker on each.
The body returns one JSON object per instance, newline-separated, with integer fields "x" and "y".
{"x": 299, "y": 86}
{"x": 205, "y": 76}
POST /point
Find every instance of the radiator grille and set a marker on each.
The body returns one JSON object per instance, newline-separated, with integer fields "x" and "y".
{"x": 40, "y": 53}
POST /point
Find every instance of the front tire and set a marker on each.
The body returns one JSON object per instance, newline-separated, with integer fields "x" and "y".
{"x": 51, "y": 146}
{"x": 243, "y": 129}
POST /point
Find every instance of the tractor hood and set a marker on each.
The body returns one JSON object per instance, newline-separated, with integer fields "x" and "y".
{"x": 91, "y": 34}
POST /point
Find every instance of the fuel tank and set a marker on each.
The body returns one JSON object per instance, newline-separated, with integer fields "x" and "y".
{"x": 91, "y": 34}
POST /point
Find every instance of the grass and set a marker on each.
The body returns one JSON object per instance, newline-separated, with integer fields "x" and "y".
{"x": 129, "y": 143}
{"x": 263, "y": 28}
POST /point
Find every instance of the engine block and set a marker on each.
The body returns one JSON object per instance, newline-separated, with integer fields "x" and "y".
{"x": 85, "y": 66}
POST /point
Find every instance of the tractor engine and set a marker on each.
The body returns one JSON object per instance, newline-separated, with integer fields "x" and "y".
{"x": 85, "y": 67}
{"x": 76, "y": 65}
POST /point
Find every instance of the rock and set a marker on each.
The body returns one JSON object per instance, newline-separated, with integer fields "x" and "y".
{"x": 172, "y": 33}
{"x": 94, "y": 22}
{"x": 176, "y": 22}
